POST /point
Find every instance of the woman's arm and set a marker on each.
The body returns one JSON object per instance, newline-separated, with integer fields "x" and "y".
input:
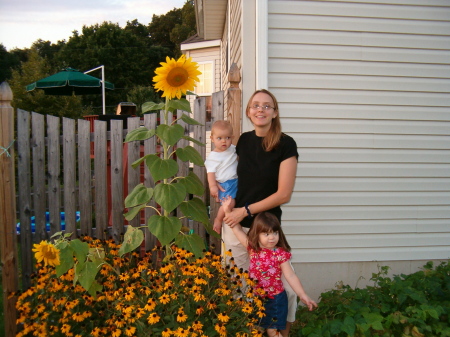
{"x": 296, "y": 285}
{"x": 286, "y": 181}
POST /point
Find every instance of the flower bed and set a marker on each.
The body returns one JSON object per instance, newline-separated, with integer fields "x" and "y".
{"x": 185, "y": 296}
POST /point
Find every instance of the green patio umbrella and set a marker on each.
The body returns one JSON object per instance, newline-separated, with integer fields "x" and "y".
{"x": 73, "y": 82}
{"x": 70, "y": 81}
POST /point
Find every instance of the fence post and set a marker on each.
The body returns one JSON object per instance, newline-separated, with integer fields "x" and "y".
{"x": 8, "y": 237}
{"x": 234, "y": 101}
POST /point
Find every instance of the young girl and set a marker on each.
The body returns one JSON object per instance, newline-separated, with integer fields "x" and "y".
{"x": 269, "y": 259}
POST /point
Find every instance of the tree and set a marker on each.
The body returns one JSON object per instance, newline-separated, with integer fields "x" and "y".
{"x": 32, "y": 70}
{"x": 8, "y": 62}
{"x": 127, "y": 54}
{"x": 139, "y": 95}
{"x": 187, "y": 28}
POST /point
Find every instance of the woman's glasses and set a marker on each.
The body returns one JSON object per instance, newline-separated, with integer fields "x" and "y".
{"x": 257, "y": 107}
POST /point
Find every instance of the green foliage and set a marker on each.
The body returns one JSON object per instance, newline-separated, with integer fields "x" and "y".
{"x": 87, "y": 263}
{"x": 415, "y": 305}
{"x": 171, "y": 192}
{"x": 35, "y": 68}
{"x": 123, "y": 52}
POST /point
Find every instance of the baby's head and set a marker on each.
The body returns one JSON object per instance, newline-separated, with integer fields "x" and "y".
{"x": 221, "y": 135}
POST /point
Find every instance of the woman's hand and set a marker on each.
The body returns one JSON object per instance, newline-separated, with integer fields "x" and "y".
{"x": 235, "y": 216}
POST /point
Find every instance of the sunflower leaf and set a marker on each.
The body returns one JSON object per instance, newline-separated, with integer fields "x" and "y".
{"x": 152, "y": 106}
{"x": 165, "y": 228}
{"x": 191, "y": 154}
{"x": 169, "y": 196}
{"x": 132, "y": 239}
{"x": 66, "y": 260}
{"x": 179, "y": 104}
{"x": 161, "y": 168}
{"x": 138, "y": 196}
{"x": 195, "y": 141}
{"x": 193, "y": 243}
{"x": 193, "y": 184}
{"x": 195, "y": 209}
{"x": 171, "y": 134}
{"x": 141, "y": 133}
{"x": 189, "y": 120}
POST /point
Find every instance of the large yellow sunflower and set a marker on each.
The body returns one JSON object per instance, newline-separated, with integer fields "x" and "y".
{"x": 176, "y": 77}
{"x": 46, "y": 252}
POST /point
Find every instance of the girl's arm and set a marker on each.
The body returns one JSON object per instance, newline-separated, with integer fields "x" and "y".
{"x": 286, "y": 181}
{"x": 296, "y": 285}
{"x": 241, "y": 235}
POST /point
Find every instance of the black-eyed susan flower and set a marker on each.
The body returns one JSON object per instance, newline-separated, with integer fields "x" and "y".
{"x": 153, "y": 318}
{"x": 223, "y": 317}
{"x": 176, "y": 77}
{"x": 47, "y": 253}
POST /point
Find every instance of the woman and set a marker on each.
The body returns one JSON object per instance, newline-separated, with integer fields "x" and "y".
{"x": 266, "y": 175}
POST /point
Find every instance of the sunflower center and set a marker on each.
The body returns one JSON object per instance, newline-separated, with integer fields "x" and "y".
{"x": 177, "y": 77}
{"x": 49, "y": 253}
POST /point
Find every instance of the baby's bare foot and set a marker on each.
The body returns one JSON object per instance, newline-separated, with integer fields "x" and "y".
{"x": 226, "y": 204}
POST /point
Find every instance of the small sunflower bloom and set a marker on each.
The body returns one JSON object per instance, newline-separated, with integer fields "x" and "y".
{"x": 47, "y": 253}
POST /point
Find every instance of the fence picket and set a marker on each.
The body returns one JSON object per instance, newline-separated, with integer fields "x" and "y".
{"x": 117, "y": 185}
{"x": 69, "y": 170}
{"x": 149, "y": 147}
{"x": 24, "y": 184}
{"x": 134, "y": 175}
{"x": 39, "y": 164}
{"x": 84, "y": 177}
{"x": 53, "y": 173}
{"x": 199, "y": 133}
{"x": 100, "y": 178}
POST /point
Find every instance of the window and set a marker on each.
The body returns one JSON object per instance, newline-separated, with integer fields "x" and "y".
{"x": 206, "y": 84}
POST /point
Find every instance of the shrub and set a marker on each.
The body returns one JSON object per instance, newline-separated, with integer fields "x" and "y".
{"x": 407, "y": 305}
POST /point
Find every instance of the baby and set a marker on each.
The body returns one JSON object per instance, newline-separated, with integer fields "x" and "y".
{"x": 221, "y": 166}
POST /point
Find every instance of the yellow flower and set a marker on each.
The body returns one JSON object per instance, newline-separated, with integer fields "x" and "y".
{"x": 46, "y": 252}
{"x": 181, "y": 317}
{"x": 130, "y": 331}
{"x": 153, "y": 318}
{"x": 116, "y": 333}
{"x": 164, "y": 299}
{"x": 176, "y": 77}
{"x": 223, "y": 317}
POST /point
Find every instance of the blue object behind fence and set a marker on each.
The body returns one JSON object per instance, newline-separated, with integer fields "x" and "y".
{"x": 47, "y": 220}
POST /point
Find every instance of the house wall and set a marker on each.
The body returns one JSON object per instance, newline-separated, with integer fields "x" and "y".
{"x": 364, "y": 89}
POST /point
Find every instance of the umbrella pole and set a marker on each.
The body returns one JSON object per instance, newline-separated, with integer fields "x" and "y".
{"x": 103, "y": 85}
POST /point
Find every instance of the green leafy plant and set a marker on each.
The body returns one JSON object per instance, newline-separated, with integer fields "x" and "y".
{"x": 170, "y": 192}
{"x": 415, "y": 305}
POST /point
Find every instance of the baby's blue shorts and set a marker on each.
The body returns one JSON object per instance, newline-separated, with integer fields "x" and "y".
{"x": 230, "y": 187}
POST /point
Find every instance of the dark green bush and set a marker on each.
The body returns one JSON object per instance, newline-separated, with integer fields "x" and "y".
{"x": 407, "y": 305}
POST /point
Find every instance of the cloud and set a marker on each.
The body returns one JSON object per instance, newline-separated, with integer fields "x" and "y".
{"x": 22, "y": 22}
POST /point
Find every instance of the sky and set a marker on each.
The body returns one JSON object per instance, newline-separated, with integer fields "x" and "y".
{"x": 22, "y": 22}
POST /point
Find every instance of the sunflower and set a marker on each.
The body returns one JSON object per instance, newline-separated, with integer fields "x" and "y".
{"x": 46, "y": 252}
{"x": 176, "y": 77}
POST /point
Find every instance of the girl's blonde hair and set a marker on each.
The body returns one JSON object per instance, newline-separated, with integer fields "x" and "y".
{"x": 272, "y": 139}
{"x": 266, "y": 222}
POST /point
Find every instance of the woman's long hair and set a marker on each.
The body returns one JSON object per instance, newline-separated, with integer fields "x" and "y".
{"x": 272, "y": 139}
{"x": 266, "y": 222}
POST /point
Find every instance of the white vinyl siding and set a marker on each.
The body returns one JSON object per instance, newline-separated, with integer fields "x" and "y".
{"x": 364, "y": 89}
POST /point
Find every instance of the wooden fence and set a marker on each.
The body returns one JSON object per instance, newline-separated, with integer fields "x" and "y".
{"x": 71, "y": 166}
